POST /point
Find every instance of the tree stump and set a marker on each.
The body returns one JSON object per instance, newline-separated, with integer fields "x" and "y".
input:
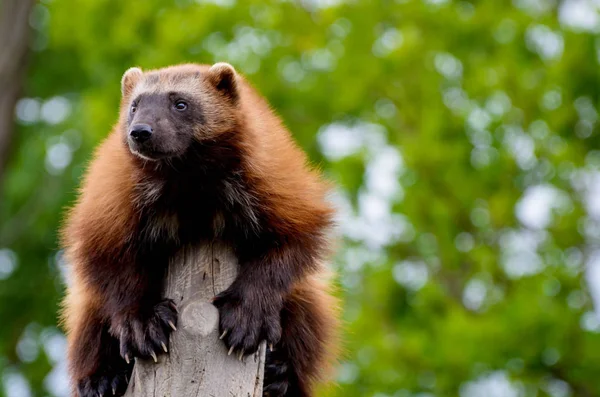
{"x": 197, "y": 363}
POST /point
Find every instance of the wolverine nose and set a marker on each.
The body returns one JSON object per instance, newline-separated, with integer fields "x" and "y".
{"x": 140, "y": 132}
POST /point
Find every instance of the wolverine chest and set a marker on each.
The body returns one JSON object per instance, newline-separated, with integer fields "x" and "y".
{"x": 177, "y": 227}
{"x": 187, "y": 214}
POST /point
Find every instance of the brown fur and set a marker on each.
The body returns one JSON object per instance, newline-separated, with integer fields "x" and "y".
{"x": 241, "y": 179}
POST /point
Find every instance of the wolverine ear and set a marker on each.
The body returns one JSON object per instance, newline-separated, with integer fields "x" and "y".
{"x": 223, "y": 76}
{"x": 129, "y": 80}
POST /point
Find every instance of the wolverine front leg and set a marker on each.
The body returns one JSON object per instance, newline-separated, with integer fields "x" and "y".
{"x": 139, "y": 318}
{"x": 249, "y": 313}
{"x": 119, "y": 316}
{"x": 250, "y": 309}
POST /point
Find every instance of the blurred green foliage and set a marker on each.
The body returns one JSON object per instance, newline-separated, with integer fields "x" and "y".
{"x": 462, "y": 138}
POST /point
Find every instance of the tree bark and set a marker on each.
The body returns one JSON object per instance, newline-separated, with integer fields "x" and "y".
{"x": 197, "y": 363}
{"x": 14, "y": 40}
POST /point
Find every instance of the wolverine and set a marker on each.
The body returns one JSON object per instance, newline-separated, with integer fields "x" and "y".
{"x": 197, "y": 155}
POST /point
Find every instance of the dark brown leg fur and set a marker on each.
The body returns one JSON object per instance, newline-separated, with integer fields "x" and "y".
{"x": 124, "y": 319}
{"x": 95, "y": 363}
{"x": 303, "y": 354}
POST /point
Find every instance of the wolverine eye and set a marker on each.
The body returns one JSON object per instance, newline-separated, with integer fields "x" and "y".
{"x": 133, "y": 107}
{"x": 180, "y": 105}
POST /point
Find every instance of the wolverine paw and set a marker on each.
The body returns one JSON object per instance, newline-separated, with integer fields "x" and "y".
{"x": 278, "y": 371}
{"x": 104, "y": 383}
{"x": 276, "y": 381}
{"x": 147, "y": 335}
{"x": 246, "y": 319}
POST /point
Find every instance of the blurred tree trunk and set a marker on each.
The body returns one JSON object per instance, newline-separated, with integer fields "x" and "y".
{"x": 14, "y": 40}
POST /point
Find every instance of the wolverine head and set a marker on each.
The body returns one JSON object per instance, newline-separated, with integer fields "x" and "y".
{"x": 165, "y": 111}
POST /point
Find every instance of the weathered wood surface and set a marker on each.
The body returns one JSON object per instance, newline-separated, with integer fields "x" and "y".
{"x": 197, "y": 363}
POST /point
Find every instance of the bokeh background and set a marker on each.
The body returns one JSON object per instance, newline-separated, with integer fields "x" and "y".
{"x": 462, "y": 137}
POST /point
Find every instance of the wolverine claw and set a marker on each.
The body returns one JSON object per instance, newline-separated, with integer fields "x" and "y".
{"x": 106, "y": 381}
{"x": 146, "y": 336}
{"x": 245, "y": 321}
{"x": 241, "y": 355}
{"x": 230, "y": 351}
